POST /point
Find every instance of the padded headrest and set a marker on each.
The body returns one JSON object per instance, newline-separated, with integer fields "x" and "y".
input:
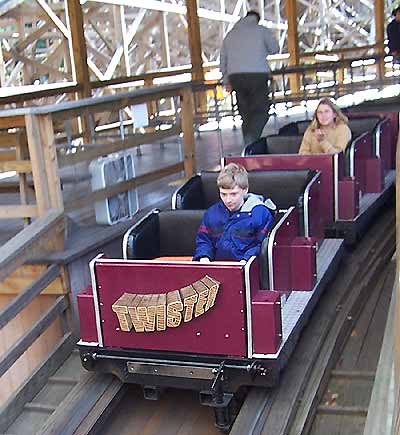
{"x": 283, "y": 144}
{"x": 282, "y": 186}
{"x": 178, "y": 230}
{"x": 361, "y": 125}
{"x": 294, "y": 128}
{"x": 302, "y": 126}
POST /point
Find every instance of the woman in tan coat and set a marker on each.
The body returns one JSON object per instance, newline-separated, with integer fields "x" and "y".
{"x": 328, "y": 132}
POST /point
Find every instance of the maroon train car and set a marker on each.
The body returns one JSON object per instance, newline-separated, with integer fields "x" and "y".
{"x": 158, "y": 321}
{"x": 355, "y": 184}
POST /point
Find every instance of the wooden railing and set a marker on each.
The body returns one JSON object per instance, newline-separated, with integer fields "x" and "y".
{"x": 31, "y": 329}
{"x": 104, "y": 122}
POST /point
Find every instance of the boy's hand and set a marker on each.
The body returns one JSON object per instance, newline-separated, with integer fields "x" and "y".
{"x": 204, "y": 260}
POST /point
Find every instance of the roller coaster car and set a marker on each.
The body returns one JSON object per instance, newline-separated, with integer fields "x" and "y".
{"x": 355, "y": 184}
{"x": 214, "y": 327}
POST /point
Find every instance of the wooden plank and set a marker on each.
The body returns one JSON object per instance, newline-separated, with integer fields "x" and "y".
{"x": 102, "y": 410}
{"x": 50, "y": 162}
{"x": 12, "y": 121}
{"x": 15, "y": 165}
{"x": 8, "y": 140}
{"x": 29, "y": 389}
{"x": 342, "y": 410}
{"x": 293, "y": 43}
{"x": 18, "y": 211}
{"x": 101, "y": 150}
{"x": 7, "y": 155}
{"x": 189, "y": 144}
{"x": 79, "y": 52}
{"x": 381, "y": 408}
{"x": 21, "y": 153}
{"x": 9, "y": 358}
{"x": 353, "y": 374}
{"x": 21, "y": 301}
{"x": 35, "y": 236}
{"x": 123, "y": 186}
{"x": 194, "y": 40}
{"x": 34, "y": 406}
{"x": 379, "y": 11}
{"x": 78, "y": 403}
{"x": 38, "y": 164}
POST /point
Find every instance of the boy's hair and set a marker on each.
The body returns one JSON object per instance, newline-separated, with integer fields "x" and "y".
{"x": 233, "y": 175}
{"x": 395, "y": 10}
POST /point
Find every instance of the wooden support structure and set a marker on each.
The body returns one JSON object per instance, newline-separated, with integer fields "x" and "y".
{"x": 293, "y": 43}
{"x": 44, "y": 162}
{"x": 78, "y": 55}
{"x": 188, "y": 132}
{"x": 195, "y": 49}
{"x": 78, "y": 48}
{"x": 194, "y": 40}
{"x": 379, "y": 10}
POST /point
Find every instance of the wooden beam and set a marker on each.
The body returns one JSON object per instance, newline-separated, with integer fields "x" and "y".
{"x": 23, "y": 166}
{"x": 131, "y": 141}
{"x": 194, "y": 40}
{"x": 29, "y": 389}
{"x": 37, "y": 236}
{"x": 28, "y": 294}
{"x": 189, "y": 144}
{"x": 123, "y": 186}
{"x": 78, "y": 47}
{"x": 38, "y": 164}
{"x": 293, "y": 43}
{"x": 12, "y": 122}
{"x": 37, "y": 330}
{"x": 50, "y": 162}
{"x": 25, "y": 276}
{"x": 18, "y": 211}
{"x": 379, "y": 9}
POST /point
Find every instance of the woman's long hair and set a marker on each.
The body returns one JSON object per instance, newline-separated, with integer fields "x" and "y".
{"x": 340, "y": 118}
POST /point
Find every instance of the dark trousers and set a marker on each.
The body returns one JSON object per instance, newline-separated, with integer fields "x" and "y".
{"x": 253, "y": 103}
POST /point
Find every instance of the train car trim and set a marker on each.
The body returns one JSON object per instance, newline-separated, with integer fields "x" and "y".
{"x": 352, "y": 154}
{"x": 127, "y": 233}
{"x": 271, "y": 241}
{"x": 173, "y": 199}
{"x": 249, "y": 321}
{"x": 305, "y": 205}
{"x": 378, "y": 138}
{"x": 336, "y": 185}
{"x": 87, "y": 343}
{"x": 175, "y": 370}
{"x": 96, "y": 299}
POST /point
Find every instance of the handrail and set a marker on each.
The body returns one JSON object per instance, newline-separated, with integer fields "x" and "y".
{"x": 60, "y": 305}
{"x": 24, "y": 298}
{"x": 19, "y": 249}
{"x": 149, "y": 76}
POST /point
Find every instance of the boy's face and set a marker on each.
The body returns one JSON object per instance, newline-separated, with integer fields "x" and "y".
{"x": 233, "y": 198}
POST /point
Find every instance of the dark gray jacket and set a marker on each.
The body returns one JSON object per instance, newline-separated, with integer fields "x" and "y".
{"x": 246, "y": 47}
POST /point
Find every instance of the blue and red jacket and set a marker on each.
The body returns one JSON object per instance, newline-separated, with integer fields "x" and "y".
{"x": 225, "y": 235}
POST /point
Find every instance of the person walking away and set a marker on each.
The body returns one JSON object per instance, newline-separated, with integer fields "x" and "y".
{"x": 393, "y": 34}
{"x": 245, "y": 70}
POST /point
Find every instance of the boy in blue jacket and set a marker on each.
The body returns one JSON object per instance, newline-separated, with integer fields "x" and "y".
{"x": 233, "y": 228}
